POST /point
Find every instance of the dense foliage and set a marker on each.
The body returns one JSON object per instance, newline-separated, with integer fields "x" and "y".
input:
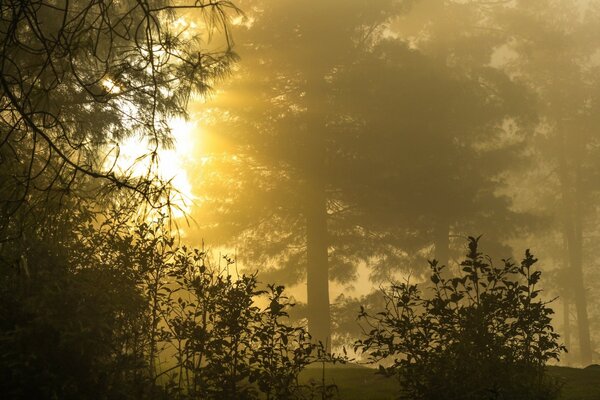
{"x": 327, "y": 152}
{"x": 105, "y": 309}
{"x": 484, "y": 334}
{"x": 79, "y": 78}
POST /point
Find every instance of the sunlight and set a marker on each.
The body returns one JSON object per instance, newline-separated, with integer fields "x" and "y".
{"x": 134, "y": 158}
{"x": 172, "y": 162}
{"x": 111, "y": 86}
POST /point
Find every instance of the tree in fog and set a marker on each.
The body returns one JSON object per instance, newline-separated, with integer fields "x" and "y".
{"x": 433, "y": 149}
{"x": 555, "y": 48}
{"x": 386, "y": 135}
{"x": 78, "y": 78}
{"x": 278, "y": 136}
{"x": 550, "y": 47}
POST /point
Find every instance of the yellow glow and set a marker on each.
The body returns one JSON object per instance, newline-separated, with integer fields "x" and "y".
{"x": 111, "y": 87}
{"x": 134, "y": 158}
{"x": 172, "y": 163}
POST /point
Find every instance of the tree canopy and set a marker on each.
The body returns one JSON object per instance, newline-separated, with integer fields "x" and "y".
{"x": 77, "y": 78}
{"x": 338, "y": 139}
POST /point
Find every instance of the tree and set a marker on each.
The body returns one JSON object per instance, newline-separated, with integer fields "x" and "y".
{"x": 549, "y": 47}
{"x": 319, "y": 152}
{"x": 431, "y": 131}
{"x": 277, "y": 126}
{"x": 77, "y": 78}
{"x": 553, "y": 46}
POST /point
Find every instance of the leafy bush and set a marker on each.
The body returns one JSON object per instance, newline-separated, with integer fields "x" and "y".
{"x": 96, "y": 307}
{"x": 212, "y": 332}
{"x": 485, "y": 334}
{"x": 225, "y": 344}
{"x": 64, "y": 320}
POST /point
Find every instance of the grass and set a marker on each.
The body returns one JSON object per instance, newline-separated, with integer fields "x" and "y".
{"x": 360, "y": 383}
{"x": 579, "y": 384}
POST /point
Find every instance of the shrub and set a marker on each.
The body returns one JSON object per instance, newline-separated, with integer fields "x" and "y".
{"x": 64, "y": 320}
{"x": 214, "y": 333}
{"x": 225, "y": 344}
{"x": 484, "y": 334}
{"x": 98, "y": 308}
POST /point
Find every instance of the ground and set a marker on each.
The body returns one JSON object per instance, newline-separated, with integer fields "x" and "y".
{"x": 360, "y": 383}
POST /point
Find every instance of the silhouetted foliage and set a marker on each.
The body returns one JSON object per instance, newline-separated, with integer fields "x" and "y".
{"x": 484, "y": 334}
{"x": 118, "y": 309}
{"x": 105, "y": 308}
{"x": 66, "y": 323}
{"x": 210, "y": 335}
{"x": 77, "y": 78}
{"x": 350, "y": 138}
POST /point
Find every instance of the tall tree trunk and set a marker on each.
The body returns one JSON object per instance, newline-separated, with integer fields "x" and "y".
{"x": 579, "y": 296}
{"x": 317, "y": 273}
{"x": 570, "y": 176}
{"x": 317, "y": 241}
{"x": 566, "y": 294}
{"x": 566, "y": 328}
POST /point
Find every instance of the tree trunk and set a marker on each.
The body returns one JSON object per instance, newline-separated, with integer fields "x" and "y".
{"x": 579, "y": 295}
{"x": 570, "y": 177}
{"x": 317, "y": 273}
{"x": 566, "y": 294}
{"x": 566, "y": 328}
{"x": 317, "y": 241}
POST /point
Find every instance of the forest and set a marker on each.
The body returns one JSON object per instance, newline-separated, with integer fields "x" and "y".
{"x": 318, "y": 199}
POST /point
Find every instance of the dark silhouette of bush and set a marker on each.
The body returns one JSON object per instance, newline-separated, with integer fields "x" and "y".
{"x": 484, "y": 334}
{"x": 64, "y": 321}
{"x": 232, "y": 339}
{"x": 101, "y": 308}
{"x": 208, "y": 331}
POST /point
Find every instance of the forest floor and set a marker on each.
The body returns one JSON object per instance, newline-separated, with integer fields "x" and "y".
{"x": 360, "y": 383}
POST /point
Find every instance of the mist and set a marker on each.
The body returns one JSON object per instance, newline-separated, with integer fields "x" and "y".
{"x": 177, "y": 165}
{"x": 356, "y": 141}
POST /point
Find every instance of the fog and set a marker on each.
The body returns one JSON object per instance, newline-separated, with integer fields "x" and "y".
{"x": 355, "y": 140}
{"x": 201, "y": 198}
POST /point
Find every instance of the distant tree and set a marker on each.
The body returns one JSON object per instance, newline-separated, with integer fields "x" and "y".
{"x": 274, "y": 139}
{"x": 552, "y": 47}
{"x": 433, "y": 140}
{"x": 77, "y": 78}
{"x": 549, "y": 47}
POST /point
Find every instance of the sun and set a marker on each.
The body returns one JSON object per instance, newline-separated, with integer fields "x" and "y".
{"x": 171, "y": 164}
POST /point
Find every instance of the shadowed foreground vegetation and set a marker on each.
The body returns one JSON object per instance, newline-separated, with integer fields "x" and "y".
{"x": 123, "y": 311}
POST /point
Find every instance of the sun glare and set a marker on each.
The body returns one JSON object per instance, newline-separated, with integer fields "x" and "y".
{"x": 134, "y": 158}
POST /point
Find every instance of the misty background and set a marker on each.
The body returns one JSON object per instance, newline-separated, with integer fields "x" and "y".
{"x": 354, "y": 140}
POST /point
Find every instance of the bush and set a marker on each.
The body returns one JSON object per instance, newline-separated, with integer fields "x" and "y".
{"x": 63, "y": 320}
{"x": 212, "y": 333}
{"x": 226, "y": 346}
{"x": 484, "y": 334}
{"x": 96, "y": 308}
